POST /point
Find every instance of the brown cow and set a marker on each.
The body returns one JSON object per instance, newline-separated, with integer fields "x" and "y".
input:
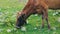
{"x": 32, "y": 8}
{"x": 36, "y": 7}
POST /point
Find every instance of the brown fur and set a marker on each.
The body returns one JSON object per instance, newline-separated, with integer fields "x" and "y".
{"x": 38, "y": 7}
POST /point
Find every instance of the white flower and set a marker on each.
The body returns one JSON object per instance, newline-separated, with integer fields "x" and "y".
{"x": 58, "y": 19}
{"x": 1, "y": 30}
{"x": 36, "y": 14}
{"x": 53, "y": 28}
{"x": 2, "y": 20}
{"x": 15, "y": 29}
{"x": 23, "y": 28}
{"x": 54, "y": 14}
{"x": 1, "y": 13}
{"x": 35, "y": 28}
{"x": 13, "y": 24}
{"x": 8, "y": 30}
{"x": 27, "y": 22}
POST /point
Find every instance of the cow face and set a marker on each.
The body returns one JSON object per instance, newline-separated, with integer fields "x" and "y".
{"x": 20, "y": 20}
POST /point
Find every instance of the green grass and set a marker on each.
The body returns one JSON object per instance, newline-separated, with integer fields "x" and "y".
{"x": 8, "y": 11}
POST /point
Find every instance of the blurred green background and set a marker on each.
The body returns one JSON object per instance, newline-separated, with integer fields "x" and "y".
{"x": 8, "y": 11}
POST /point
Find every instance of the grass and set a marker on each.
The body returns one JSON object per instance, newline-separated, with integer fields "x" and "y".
{"x": 8, "y": 11}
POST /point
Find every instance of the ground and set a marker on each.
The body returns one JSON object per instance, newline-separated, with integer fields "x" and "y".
{"x": 8, "y": 11}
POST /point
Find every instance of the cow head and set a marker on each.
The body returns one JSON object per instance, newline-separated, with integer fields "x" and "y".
{"x": 20, "y": 20}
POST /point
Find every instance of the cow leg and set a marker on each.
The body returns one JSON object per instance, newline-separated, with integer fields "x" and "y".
{"x": 42, "y": 20}
{"x": 48, "y": 23}
{"x": 46, "y": 17}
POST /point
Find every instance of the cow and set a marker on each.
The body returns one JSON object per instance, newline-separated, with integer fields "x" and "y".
{"x": 37, "y": 7}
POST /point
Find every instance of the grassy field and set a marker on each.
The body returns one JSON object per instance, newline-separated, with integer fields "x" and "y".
{"x": 8, "y": 11}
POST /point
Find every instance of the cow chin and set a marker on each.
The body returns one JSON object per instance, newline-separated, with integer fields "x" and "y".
{"x": 20, "y": 23}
